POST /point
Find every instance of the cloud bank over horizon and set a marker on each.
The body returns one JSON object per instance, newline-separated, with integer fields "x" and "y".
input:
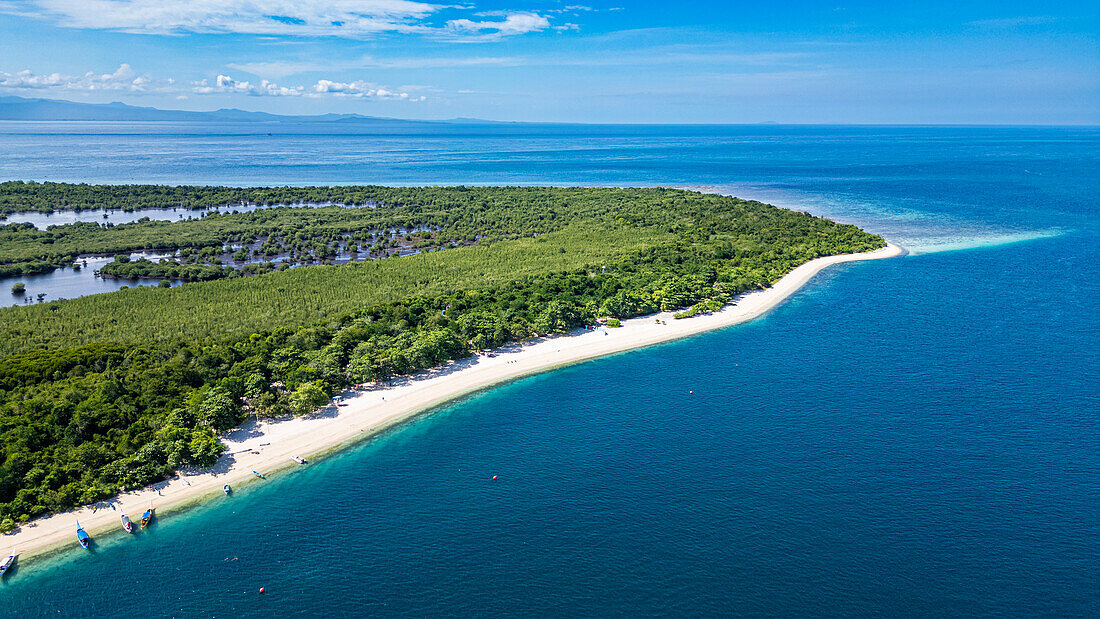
{"x": 940, "y": 62}
{"x": 125, "y": 79}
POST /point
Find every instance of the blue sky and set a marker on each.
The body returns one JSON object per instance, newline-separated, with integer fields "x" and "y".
{"x": 575, "y": 61}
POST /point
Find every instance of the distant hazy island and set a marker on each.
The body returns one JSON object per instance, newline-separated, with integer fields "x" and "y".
{"x": 26, "y": 109}
{"x": 112, "y": 392}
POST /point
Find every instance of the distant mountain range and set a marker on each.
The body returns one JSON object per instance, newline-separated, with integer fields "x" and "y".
{"x": 20, "y": 108}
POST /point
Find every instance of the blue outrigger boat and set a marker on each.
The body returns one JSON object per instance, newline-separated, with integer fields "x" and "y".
{"x": 227, "y": 489}
{"x": 82, "y": 536}
{"x": 258, "y": 474}
{"x": 147, "y": 518}
{"x": 6, "y": 564}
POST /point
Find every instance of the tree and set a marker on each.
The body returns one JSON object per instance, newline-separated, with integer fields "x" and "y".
{"x": 625, "y": 304}
{"x": 482, "y": 330}
{"x": 18, "y": 288}
{"x": 218, "y": 409}
{"x": 205, "y": 448}
{"x": 308, "y": 397}
{"x": 559, "y": 317}
{"x": 255, "y": 384}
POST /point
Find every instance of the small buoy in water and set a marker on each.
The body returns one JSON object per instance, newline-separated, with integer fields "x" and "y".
{"x": 494, "y": 476}
{"x": 691, "y": 393}
{"x": 261, "y": 589}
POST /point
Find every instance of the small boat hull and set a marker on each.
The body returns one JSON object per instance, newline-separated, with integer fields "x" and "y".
{"x": 127, "y": 525}
{"x": 147, "y": 518}
{"x": 6, "y": 565}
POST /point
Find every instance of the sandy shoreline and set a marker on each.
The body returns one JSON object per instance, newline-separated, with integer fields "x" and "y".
{"x": 269, "y": 445}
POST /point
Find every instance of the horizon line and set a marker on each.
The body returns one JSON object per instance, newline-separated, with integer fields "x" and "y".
{"x": 299, "y": 118}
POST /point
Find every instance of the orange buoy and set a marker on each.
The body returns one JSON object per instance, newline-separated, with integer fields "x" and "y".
{"x": 261, "y": 589}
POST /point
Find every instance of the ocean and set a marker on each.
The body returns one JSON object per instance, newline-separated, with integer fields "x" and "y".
{"x": 913, "y": 436}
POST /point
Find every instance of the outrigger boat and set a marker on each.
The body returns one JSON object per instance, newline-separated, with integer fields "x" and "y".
{"x": 226, "y": 489}
{"x": 126, "y": 524}
{"x": 82, "y": 536}
{"x": 298, "y": 459}
{"x": 6, "y": 564}
{"x": 147, "y": 518}
{"x": 258, "y": 474}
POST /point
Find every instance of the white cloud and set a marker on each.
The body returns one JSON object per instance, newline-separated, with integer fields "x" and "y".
{"x": 123, "y": 79}
{"x": 360, "y": 89}
{"x": 224, "y": 84}
{"x": 341, "y": 18}
{"x": 575, "y": 8}
{"x": 512, "y": 24}
{"x": 309, "y": 18}
{"x": 126, "y": 80}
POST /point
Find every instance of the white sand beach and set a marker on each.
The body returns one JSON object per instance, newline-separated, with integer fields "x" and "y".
{"x": 267, "y": 446}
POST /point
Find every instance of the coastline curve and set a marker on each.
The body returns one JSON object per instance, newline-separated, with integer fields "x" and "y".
{"x": 270, "y": 445}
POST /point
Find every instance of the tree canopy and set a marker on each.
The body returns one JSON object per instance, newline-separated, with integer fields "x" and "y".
{"x": 114, "y": 391}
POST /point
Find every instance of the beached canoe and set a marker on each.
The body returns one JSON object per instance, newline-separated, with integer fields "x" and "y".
{"x": 82, "y": 536}
{"x": 126, "y": 524}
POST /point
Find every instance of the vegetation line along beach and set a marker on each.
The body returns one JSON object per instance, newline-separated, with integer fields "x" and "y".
{"x": 271, "y": 444}
{"x": 110, "y": 393}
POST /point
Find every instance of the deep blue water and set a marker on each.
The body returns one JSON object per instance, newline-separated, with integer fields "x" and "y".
{"x": 913, "y": 436}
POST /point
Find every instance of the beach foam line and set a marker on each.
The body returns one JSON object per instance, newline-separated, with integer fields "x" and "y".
{"x": 269, "y": 445}
{"x": 943, "y": 244}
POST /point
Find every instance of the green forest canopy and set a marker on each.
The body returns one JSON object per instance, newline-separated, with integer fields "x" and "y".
{"x": 113, "y": 391}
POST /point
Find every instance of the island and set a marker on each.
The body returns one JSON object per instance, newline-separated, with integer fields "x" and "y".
{"x": 114, "y": 393}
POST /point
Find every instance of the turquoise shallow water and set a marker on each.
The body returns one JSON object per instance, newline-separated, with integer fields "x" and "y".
{"x": 911, "y": 436}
